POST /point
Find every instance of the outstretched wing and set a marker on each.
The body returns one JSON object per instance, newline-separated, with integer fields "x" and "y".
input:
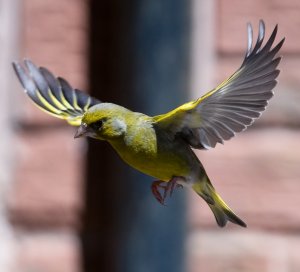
{"x": 53, "y": 95}
{"x": 234, "y": 104}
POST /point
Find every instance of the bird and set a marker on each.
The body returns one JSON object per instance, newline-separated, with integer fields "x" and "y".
{"x": 162, "y": 146}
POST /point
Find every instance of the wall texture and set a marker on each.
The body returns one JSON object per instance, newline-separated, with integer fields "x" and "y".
{"x": 46, "y": 200}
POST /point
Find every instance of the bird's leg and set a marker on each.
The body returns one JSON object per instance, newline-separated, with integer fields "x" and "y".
{"x": 155, "y": 190}
{"x": 167, "y": 188}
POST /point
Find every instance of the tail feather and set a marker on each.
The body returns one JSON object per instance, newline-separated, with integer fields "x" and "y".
{"x": 220, "y": 209}
{"x": 223, "y": 213}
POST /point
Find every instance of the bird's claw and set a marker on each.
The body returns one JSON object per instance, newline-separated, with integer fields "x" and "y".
{"x": 155, "y": 191}
{"x": 166, "y": 187}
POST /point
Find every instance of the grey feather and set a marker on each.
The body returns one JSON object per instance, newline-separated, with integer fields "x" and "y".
{"x": 40, "y": 84}
{"x": 236, "y": 104}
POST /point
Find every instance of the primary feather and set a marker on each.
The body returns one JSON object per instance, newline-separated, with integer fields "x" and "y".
{"x": 234, "y": 104}
{"x": 53, "y": 95}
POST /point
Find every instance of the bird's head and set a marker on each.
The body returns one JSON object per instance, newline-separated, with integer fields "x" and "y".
{"x": 105, "y": 121}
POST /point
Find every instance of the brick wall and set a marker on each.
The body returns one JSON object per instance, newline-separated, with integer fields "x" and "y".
{"x": 257, "y": 172}
{"x": 46, "y": 199}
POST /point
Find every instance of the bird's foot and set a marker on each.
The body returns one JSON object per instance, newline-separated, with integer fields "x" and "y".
{"x": 166, "y": 188}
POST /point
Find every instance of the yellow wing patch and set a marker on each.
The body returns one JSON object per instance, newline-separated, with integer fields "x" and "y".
{"x": 53, "y": 95}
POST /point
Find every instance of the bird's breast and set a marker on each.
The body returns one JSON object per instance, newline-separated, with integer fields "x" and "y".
{"x": 153, "y": 153}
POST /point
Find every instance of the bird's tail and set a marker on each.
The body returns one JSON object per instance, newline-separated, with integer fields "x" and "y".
{"x": 221, "y": 211}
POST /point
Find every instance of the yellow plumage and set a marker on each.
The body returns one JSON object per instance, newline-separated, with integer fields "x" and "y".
{"x": 160, "y": 146}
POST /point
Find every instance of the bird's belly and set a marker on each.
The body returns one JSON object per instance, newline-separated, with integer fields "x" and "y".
{"x": 161, "y": 165}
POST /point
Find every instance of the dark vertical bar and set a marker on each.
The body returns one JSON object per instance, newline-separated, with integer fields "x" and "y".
{"x": 139, "y": 59}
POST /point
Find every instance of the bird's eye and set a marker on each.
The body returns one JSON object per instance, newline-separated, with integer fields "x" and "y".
{"x": 97, "y": 125}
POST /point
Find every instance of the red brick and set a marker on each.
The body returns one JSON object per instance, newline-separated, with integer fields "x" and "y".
{"x": 48, "y": 186}
{"x": 294, "y": 256}
{"x": 226, "y": 251}
{"x": 48, "y": 252}
{"x": 233, "y": 15}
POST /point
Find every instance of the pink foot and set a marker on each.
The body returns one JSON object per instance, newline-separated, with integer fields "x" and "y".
{"x": 165, "y": 187}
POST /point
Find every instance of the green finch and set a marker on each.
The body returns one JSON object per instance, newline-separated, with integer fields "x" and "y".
{"x": 161, "y": 146}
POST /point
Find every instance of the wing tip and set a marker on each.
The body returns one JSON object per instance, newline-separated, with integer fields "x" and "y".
{"x": 258, "y": 49}
{"x": 25, "y": 80}
{"x": 262, "y": 29}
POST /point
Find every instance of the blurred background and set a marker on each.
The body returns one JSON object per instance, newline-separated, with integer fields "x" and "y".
{"x": 70, "y": 206}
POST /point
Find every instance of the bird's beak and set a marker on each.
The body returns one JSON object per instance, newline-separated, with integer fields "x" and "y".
{"x": 82, "y": 130}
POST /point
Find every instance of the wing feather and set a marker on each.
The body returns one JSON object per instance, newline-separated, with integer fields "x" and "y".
{"x": 235, "y": 103}
{"x": 53, "y": 95}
